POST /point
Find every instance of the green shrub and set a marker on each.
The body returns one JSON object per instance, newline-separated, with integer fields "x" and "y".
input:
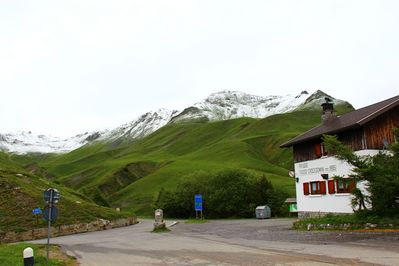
{"x": 229, "y": 193}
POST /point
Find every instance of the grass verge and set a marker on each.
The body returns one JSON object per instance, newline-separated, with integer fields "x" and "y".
{"x": 11, "y": 254}
{"x": 161, "y": 230}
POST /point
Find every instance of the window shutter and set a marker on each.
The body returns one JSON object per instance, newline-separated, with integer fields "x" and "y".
{"x": 317, "y": 150}
{"x": 352, "y": 185}
{"x": 322, "y": 187}
{"x": 306, "y": 188}
{"x": 331, "y": 186}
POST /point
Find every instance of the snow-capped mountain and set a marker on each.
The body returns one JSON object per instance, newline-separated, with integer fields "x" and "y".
{"x": 142, "y": 126}
{"x": 234, "y": 104}
{"x": 24, "y": 142}
{"x": 218, "y": 106}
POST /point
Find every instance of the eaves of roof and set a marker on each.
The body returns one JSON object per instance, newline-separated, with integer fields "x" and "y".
{"x": 346, "y": 121}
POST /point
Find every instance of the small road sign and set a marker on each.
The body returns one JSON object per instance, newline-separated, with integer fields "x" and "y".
{"x": 37, "y": 211}
{"x": 51, "y": 192}
{"x": 54, "y": 213}
{"x": 198, "y": 202}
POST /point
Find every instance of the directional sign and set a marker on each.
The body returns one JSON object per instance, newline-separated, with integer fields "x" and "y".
{"x": 54, "y": 213}
{"x": 37, "y": 211}
{"x": 51, "y": 195}
{"x": 198, "y": 202}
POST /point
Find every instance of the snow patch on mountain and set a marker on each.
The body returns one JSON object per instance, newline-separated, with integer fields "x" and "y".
{"x": 25, "y": 141}
{"x": 225, "y": 105}
{"x": 142, "y": 126}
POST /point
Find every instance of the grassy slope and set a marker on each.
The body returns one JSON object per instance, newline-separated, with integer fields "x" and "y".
{"x": 12, "y": 255}
{"x": 21, "y": 192}
{"x": 130, "y": 175}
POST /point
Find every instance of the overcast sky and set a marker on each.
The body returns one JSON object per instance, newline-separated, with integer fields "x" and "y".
{"x": 72, "y": 66}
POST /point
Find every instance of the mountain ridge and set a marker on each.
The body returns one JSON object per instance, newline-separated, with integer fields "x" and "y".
{"x": 222, "y": 105}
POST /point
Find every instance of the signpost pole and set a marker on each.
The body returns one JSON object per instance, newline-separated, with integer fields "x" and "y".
{"x": 49, "y": 224}
{"x": 51, "y": 197}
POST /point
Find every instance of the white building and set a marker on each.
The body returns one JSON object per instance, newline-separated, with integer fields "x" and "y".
{"x": 367, "y": 131}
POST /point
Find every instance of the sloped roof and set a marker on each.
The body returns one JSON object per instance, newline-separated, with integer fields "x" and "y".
{"x": 290, "y": 200}
{"x": 346, "y": 121}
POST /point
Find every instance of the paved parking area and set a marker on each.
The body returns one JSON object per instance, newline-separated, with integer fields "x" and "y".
{"x": 230, "y": 242}
{"x": 280, "y": 230}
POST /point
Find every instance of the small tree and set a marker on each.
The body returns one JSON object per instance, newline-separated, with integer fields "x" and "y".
{"x": 381, "y": 173}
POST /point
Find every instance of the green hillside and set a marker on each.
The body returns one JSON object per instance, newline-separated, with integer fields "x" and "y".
{"x": 130, "y": 174}
{"x": 21, "y": 192}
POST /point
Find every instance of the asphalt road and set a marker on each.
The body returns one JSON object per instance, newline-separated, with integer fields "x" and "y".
{"x": 230, "y": 242}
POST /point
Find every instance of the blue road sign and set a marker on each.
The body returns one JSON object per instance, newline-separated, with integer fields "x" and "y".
{"x": 198, "y": 202}
{"x": 37, "y": 211}
{"x": 54, "y": 213}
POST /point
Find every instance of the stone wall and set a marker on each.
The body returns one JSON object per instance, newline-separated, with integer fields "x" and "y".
{"x": 368, "y": 227}
{"x": 305, "y": 215}
{"x": 63, "y": 230}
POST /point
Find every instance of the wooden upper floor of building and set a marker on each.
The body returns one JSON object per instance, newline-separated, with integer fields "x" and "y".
{"x": 368, "y": 128}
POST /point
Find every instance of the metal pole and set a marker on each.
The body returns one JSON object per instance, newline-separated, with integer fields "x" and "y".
{"x": 49, "y": 225}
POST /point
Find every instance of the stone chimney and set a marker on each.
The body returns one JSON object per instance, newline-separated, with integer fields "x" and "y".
{"x": 329, "y": 113}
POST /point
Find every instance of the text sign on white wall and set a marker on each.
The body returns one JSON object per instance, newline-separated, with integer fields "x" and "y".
{"x": 304, "y": 170}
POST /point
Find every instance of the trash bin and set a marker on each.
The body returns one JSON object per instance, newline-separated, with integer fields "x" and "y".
{"x": 263, "y": 212}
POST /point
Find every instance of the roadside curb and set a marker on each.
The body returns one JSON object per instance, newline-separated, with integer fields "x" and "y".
{"x": 63, "y": 230}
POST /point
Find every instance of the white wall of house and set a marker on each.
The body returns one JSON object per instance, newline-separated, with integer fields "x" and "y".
{"x": 310, "y": 171}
